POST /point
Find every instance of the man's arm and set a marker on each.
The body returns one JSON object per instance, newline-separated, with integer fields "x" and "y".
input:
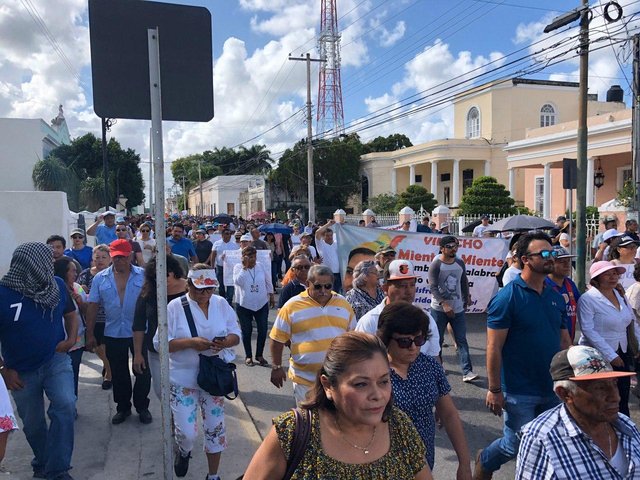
{"x": 278, "y": 376}
{"x": 322, "y": 229}
{"x": 495, "y": 342}
{"x": 92, "y": 229}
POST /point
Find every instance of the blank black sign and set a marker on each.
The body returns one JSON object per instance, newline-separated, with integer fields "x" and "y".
{"x": 569, "y": 173}
{"x": 120, "y": 59}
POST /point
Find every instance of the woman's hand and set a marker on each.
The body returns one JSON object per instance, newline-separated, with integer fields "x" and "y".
{"x": 138, "y": 363}
{"x": 272, "y": 300}
{"x": 201, "y": 344}
{"x": 617, "y": 362}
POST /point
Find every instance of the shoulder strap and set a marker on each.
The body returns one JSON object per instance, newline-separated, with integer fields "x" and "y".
{"x": 189, "y": 315}
{"x": 301, "y": 436}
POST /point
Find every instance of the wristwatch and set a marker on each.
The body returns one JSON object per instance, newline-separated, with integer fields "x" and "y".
{"x": 276, "y": 367}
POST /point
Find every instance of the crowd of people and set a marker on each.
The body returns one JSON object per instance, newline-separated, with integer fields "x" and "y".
{"x": 364, "y": 362}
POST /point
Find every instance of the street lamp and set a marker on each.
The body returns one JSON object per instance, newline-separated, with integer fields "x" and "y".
{"x": 598, "y": 176}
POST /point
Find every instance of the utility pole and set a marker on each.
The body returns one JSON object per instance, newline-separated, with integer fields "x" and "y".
{"x": 106, "y": 126}
{"x": 310, "y": 179}
{"x": 184, "y": 193}
{"x": 200, "y": 180}
{"x": 635, "y": 122}
{"x": 151, "y": 170}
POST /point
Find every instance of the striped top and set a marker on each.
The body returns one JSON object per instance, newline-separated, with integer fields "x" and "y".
{"x": 311, "y": 328}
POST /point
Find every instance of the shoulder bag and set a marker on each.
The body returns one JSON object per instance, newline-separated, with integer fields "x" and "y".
{"x": 215, "y": 376}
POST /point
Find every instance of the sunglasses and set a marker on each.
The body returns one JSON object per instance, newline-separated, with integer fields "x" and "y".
{"x": 406, "y": 342}
{"x": 75, "y": 237}
{"x": 121, "y": 229}
{"x": 302, "y": 267}
{"x": 544, "y": 254}
{"x": 451, "y": 245}
{"x": 205, "y": 290}
{"x": 319, "y": 286}
{"x": 145, "y": 231}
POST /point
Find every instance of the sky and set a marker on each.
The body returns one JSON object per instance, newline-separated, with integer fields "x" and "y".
{"x": 401, "y": 61}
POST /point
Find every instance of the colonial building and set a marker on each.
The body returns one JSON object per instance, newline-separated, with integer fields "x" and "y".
{"x": 264, "y": 195}
{"x": 487, "y": 118}
{"x": 220, "y": 194}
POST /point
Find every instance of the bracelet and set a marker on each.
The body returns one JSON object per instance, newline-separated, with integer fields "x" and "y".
{"x": 495, "y": 390}
{"x": 276, "y": 367}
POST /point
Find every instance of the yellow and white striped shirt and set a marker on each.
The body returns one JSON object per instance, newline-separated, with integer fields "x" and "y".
{"x": 311, "y": 328}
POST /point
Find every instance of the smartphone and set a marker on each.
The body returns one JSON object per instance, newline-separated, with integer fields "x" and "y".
{"x": 220, "y": 339}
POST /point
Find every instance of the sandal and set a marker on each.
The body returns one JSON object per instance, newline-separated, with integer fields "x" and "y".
{"x": 262, "y": 361}
{"x": 248, "y": 362}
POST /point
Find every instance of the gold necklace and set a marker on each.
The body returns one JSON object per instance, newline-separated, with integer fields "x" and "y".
{"x": 363, "y": 449}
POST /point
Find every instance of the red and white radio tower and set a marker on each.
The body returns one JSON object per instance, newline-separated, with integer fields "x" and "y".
{"x": 330, "y": 115}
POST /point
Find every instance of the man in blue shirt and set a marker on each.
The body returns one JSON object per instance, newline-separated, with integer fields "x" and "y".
{"x": 526, "y": 327}
{"x": 116, "y": 289}
{"x": 105, "y": 234}
{"x": 34, "y": 361}
{"x": 181, "y": 245}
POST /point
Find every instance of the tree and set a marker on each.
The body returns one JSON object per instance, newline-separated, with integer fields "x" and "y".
{"x": 488, "y": 196}
{"x": 383, "y": 203}
{"x": 66, "y": 165}
{"x": 187, "y": 167}
{"x": 387, "y": 144}
{"x": 416, "y": 196}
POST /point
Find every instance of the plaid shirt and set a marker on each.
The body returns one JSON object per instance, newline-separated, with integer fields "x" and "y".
{"x": 362, "y": 302}
{"x": 554, "y": 447}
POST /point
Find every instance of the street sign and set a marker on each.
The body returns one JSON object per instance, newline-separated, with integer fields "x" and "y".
{"x": 120, "y": 59}
{"x": 569, "y": 173}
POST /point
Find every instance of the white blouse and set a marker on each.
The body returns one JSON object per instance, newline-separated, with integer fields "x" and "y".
{"x": 222, "y": 321}
{"x": 603, "y": 326}
{"x": 253, "y": 286}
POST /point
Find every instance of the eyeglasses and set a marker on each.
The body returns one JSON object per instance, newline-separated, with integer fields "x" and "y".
{"x": 544, "y": 254}
{"x": 145, "y": 231}
{"x": 302, "y": 267}
{"x": 319, "y": 286}
{"x": 405, "y": 342}
{"x": 205, "y": 290}
{"x": 75, "y": 237}
{"x": 451, "y": 245}
{"x": 121, "y": 229}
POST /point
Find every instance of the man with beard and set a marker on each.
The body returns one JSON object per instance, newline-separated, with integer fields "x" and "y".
{"x": 526, "y": 326}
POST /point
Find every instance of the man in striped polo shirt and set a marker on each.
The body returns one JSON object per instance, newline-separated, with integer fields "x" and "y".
{"x": 307, "y": 323}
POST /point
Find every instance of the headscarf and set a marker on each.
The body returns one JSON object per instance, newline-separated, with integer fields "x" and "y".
{"x": 31, "y": 274}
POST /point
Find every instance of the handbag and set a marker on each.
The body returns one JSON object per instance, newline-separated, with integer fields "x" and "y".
{"x": 215, "y": 376}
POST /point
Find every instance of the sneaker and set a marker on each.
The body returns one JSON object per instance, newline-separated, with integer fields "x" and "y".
{"x": 212, "y": 477}
{"x": 479, "y": 473}
{"x": 120, "y": 417}
{"x": 39, "y": 473}
{"x": 145, "y": 416}
{"x": 181, "y": 464}
{"x": 469, "y": 377}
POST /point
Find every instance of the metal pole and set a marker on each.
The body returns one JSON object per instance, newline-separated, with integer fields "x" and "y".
{"x": 184, "y": 194}
{"x": 310, "y": 186}
{"x": 581, "y": 191}
{"x": 151, "y": 170}
{"x": 635, "y": 122}
{"x": 105, "y": 167}
{"x": 161, "y": 245}
{"x": 200, "y": 181}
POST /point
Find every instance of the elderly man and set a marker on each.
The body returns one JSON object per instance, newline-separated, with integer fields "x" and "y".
{"x": 585, "y": 437}
{"x": 328, "y": 250}
{"x": 298, "y": 284}
{"x": 104, "y": 233}
{"x": 33, "y": 304}
{"x": 117, "y": 288}
{"x": 308, "y": 322}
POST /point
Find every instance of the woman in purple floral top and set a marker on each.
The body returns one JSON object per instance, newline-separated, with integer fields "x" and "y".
{"x": 7, "y": 418}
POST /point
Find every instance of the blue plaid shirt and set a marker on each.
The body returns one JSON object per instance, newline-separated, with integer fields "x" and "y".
{"x": 554, "y": 447}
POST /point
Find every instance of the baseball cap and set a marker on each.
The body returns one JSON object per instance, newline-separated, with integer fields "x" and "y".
{"x": 609, "y": 218}
{"x": 120, "y": 247}
{"x": 203, "y": 278}
{"x": 561, "y": 218}
{"x": 609, "y": 234}
{"x": 246, "y": 238}
{"x": 483, "y": 217}
{"x": 444, "y": 224}
{"x": 108, "y": 212}
{"x": 447, "y": 239}
{"x": 119, "y": 219}
{"x": 563, "y": 253}
{"x": 399, "y": 270}
{"x": 77, "y": 231}
{"x": 603, "y": 266}
{"x": 582, "y": 363}
{"x": 623, "y": 240}
{"x": 386, "y": 249}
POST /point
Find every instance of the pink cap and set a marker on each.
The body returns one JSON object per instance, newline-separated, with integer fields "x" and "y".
{"x": 600, "y": 267}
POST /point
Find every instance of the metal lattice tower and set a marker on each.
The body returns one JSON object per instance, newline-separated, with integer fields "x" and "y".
{"x": 330, "y": 115}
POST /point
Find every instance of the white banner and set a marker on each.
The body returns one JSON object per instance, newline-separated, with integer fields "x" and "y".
{"x": 234, "y": 257}
{"x": 483, "y": 257}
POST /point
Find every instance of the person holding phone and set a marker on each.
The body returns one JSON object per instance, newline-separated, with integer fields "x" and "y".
{"x": 254, "y": 296}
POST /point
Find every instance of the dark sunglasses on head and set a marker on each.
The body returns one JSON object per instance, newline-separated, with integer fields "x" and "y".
{"x": 544, "y": 254}
{"x": 326, "y": 286}
{"x": 406, "y": 342}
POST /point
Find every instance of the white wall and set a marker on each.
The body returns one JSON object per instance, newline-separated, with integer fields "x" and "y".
{"x": 31, "y": 217}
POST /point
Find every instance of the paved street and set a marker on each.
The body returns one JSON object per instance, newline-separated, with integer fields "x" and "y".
{"x": 133, "y": 451}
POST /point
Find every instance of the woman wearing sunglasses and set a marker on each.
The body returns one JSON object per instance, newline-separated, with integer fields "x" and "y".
{"x": 146, "y": 243}
{"x": 418, "y": 381}
{"x": 366, "y": 292}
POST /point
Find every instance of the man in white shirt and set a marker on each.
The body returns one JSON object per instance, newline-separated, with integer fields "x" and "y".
{"x": 400, "y": 286}
{"x": 480, "y": 229}
{"x": 217, "y": 259}
{"x": 328, "y": 250}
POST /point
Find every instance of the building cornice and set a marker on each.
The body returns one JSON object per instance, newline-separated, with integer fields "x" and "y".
{"x": 569, "y": 149}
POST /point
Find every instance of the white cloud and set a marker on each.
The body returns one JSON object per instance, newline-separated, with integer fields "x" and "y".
{"x": 388, "y": 39}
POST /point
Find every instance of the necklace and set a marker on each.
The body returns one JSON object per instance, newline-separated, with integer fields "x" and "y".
{"x": 609, "y": 439}
{"x": 364, "y": 449}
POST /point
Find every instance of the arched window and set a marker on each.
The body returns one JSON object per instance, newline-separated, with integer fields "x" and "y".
{"x": 473, "y": 123}
{"x": 547, "y": 115}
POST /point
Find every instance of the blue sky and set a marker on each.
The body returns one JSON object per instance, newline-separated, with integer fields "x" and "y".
{"x": 391, "y": 49}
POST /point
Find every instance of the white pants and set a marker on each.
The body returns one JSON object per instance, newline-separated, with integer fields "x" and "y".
{"x": 184, "y": 406}
{"x": 154, "y": 368}
{"x": 300, "y": 392}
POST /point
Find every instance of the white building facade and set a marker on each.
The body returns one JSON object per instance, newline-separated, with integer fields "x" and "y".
{"x": 220, "y": 194}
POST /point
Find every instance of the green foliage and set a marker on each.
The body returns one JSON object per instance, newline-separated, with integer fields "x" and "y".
{"x": 415, "y": 196}
{"x": 387, "y": 144}
{"x": 383, "y": 203}
{"x": 625, "y": 196}
{"x": 486, "y": 195}
{"x": 524, "y": 211}
{"x": 336, "y": 167}
{"x": 82, "y": 159}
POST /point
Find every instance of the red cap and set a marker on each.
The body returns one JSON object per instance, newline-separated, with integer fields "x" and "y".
{"x": 120, "y": 247}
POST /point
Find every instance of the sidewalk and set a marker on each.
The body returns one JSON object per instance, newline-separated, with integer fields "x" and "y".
{"x": 131, "y": 450}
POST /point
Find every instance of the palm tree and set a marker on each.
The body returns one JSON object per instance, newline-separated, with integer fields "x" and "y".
{"x": 257, "y": 159}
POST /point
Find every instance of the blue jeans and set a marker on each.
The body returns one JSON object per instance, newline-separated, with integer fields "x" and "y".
{"x": 52, "y": 447}
{"x": 459, "y": 326}
{"x": 224, "y": 291}
{"x": 518, "y": 411}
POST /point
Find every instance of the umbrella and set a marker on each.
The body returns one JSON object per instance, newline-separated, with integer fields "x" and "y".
{"x": 275, "y": 228}
{"x": 222, "y": 218}
{"x": 469, "y": 228}
{"x": 258, "y": 215}
{"x": 521, "y": 223}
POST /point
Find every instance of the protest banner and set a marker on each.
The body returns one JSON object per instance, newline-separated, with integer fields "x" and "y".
{"x": 483, "y": 258}
{"x": 234, "y": 257}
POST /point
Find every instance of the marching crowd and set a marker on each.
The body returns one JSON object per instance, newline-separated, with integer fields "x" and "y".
{"x": 363, "y": 361}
